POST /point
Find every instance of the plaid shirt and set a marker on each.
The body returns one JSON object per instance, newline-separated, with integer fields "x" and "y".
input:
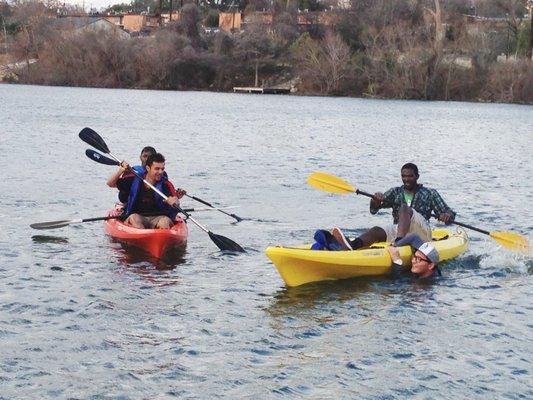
{"x": 425, "y": 201}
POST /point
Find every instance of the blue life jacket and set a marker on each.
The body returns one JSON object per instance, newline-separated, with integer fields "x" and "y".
{"x": 139, "y": 169}
{"x": 161, "y": 205}
{"x": 123, "y": 195}
{"x": 324, "y": 240}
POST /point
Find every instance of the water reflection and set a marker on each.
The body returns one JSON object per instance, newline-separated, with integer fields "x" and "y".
{"x": 48, "y": 239}
{"x": 314, "y": 295}
{"x": 359, "y": 292}
{"x": 130, "y": 255}
{"x": 154, "y": 271}
{"x": 154, "y": 277}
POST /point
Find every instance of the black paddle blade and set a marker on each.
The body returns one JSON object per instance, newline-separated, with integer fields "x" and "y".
{"x": 51, "y": 224}
{"x": 225, "y": 244}
{"x": 93, "y": 139}
{"x": 237, "y": 218}
{"x": 100, "y": 158}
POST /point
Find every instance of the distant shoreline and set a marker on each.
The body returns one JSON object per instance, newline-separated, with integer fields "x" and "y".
{"x": 294, "y": 94}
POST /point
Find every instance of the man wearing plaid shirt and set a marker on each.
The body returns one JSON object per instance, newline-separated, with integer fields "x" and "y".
{"x": 412, "y": 206}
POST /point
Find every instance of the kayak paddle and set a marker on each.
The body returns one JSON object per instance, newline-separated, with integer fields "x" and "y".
{"x": 92, "y": 138}
{"x": 102, "y": 159}
{"x": 66, "y": 222}
{"x": 334, "y": 184}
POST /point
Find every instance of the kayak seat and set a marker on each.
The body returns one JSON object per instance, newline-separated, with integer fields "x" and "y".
{"x": 438, "y": 239}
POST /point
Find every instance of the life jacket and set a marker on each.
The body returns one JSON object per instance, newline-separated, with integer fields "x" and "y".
{"x": 139, "y": 169}
{"x": 324, "y": 240}
{"x": 170, "y": 211}
{"x": 122, "y": 195}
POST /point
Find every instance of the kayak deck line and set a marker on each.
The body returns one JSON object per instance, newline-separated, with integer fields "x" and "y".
{"x": 380, "y": 245}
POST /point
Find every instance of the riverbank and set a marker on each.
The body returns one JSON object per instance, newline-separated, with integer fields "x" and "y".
{"x": 404, "y": 52}
{"x": 510, "y": 95}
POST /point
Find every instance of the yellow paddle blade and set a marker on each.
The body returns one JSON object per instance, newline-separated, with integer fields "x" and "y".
{"x": 330, "y": 183}
{"x": 512, "y": 240}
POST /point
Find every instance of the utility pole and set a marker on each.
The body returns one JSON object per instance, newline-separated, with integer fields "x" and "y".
{"x": 5, "y": 33}
{"x": 507, "y": 45}
{"x": 530, "y": 49}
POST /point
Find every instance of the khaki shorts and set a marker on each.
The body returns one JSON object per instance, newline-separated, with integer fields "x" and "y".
{"x": 151, "y": 222}
{"x": 419, "y": 225}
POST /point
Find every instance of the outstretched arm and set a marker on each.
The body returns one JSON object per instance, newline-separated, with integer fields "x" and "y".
{"x": 412, "y": 240}
{"x": 113, "y": 179}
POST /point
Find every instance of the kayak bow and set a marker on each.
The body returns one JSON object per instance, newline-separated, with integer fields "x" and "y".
{"x": 156, "y": 242}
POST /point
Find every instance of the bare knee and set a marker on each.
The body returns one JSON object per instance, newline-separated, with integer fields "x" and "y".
{"x": 135, "y": 220}
{"x": 405, "y": 210}
{"x": 373, "y": 235}
{"x": 378, "y": 233}
{"x": 164, "y": 223}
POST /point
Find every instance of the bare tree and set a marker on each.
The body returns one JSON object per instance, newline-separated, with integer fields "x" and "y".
{"x": 325, "y": 64}
{"x": 34, "y": 22}
{"x": 254, "y": 46}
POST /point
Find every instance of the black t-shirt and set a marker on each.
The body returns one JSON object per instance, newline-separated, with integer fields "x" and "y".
{"x": 145, "y": 202}
{"x": 146, "y": 198}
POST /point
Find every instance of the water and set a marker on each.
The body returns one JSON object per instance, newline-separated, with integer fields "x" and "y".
{"x": 81, "y": 318}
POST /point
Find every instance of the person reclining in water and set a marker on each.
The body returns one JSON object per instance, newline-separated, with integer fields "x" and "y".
{"x": 412, "y": 206}
{"x": 424, "y": 261}
{"x": 141, "y": 199}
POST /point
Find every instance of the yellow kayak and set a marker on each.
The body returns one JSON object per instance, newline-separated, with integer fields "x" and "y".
{"x": 300, "y": 265}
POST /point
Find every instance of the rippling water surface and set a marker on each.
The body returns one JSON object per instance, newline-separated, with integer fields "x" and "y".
{"x": 82, "y": 318}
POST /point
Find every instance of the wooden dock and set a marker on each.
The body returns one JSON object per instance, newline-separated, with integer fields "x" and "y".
{"x": 261, "y": 90}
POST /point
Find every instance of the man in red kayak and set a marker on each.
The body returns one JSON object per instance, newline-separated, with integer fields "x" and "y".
{"x": 412, "y": 206}
{"x": 141, "y": 199}
{"x": 124, "y": 166}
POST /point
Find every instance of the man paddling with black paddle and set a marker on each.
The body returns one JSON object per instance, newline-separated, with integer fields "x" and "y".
{"x": 141, "y": 199}
{"x": 92, "y": 138}
{"x": 146, "y": 152}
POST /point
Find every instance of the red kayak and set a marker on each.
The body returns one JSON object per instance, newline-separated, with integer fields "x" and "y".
{"x": 156, "y": 242}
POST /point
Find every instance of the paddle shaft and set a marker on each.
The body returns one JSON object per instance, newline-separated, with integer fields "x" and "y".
{"x": 63, "y": 223}
{"x": 236, "y": 217}
{"x": 66, "y": 222}
{"x": 357, "y": 191}
{"x": 334, "y": 184}
{"x": 515, "y": 243}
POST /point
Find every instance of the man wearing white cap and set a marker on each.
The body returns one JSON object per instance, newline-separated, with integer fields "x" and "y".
{"x": 424, "y": 260}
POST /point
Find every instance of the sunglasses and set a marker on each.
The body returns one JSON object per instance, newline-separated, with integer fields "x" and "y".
{"x": 418, "y": 258}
